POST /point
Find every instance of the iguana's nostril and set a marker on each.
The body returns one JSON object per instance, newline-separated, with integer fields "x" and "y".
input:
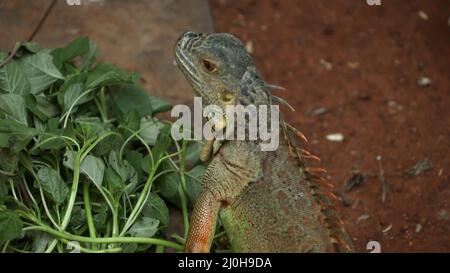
{"x": 189, "y": 34}
{"x": 185, "y": 38}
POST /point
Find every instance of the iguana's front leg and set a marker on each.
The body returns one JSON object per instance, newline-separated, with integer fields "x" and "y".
{"x": 203, "y": 223}
{"x": 209, "y": 149}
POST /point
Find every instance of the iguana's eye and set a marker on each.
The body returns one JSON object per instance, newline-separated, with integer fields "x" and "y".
{"x": 209, "y": 66}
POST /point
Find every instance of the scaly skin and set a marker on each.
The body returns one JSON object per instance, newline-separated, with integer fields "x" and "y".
{"x": 269, "y": 201}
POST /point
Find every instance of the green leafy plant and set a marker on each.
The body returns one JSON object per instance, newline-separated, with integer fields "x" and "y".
{"x": 84, "y": 158}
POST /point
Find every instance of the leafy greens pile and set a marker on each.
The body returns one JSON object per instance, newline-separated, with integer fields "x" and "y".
{"x": 84, "y": 163}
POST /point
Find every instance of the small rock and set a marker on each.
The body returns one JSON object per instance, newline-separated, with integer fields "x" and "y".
{"x": 423, "y": 15}
{"x": 327, "y": 65}
{"x": 394, "y": 107}
{"x": 353, "y": 65}
{"x": 319, "y": 111}
{"x": 363, "y": 217}
{"x": 338, "y": 137}
{"x": 424, "y": 81}
{"x": 418, "y": 228}
{"x": 387, "y": 229}
{"x": 249, "y": 47}
{"x": 442, "y": 215}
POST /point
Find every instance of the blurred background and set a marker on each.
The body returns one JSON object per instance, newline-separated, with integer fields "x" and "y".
{"x": 370, "y": 85}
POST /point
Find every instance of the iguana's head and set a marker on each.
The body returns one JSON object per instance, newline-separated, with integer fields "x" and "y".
{"x": 219, "y": 69}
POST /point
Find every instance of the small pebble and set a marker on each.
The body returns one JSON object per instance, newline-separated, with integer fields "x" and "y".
{"x": 338, "y": 137}
{"x": 394, "y": 107}
{"x": 442, "y": 215}
{"x": 249, "y": 47}
{"x": 363, "y": 217}
{"x": 320, "y": 111}
{"x": 387, "y": 229}
{"x": 418, "y": 228}
{"x": 423, "y": 15}
{"x": 423, "y": 81}
{"x": 327, "y": 65}
{"x": 353, "y": 65}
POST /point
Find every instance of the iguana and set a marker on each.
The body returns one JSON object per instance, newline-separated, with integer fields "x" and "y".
{"x": 268, "y": 201}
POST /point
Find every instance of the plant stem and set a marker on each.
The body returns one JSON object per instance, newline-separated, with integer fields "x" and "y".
{"x": 87, "y": 208}
{"x": 182, "y": 188}
{"x": 73, "y": 195}
{"x": 142, "y": 198}
{"x": 105, "y": 240}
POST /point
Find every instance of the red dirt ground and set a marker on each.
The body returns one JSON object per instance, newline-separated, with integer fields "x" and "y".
{"x": 377, "y": 55}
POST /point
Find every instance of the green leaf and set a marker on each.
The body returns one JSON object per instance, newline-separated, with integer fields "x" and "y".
{"x": 105, "y": 74}
{"x": 108, "y": 144}
{"x": 150, "y": 130}
{"x": 19, "y": 134}
{"x": 91, "y": 126}
{"x": 41, "y": 107}
{"x": 40, "y": 71}
{"x": 78, "y": 47}
{"x": 131, "y": 120}
{"x": 130, "y": 96}
{"x": 32, "y": 47}
{"x": 129, "y": 247}
{"x": 40, "y": 242}
{"x": 145, "y": 227}
{"x": 193, "y": 182}
{"x": 114, "y": 180}
{"x": 156, "y": 208}
{"x": 52, "y": 129}
{"x": 193, "y": 153}
{"x": 100, "y": 216}
{"x": 3, "y": 56}
{"x": 4, "y": 140}
{"x": 53, "y": 184}
{"x": 89, "y": 57}
{"x": 164, "y": 140}
{"x": 13, "y": 106}
{"x": 10, "y": 226}
{"x": 4, "y": 189}
{"x": 93, "y": 167}
{"x": 8, "y": 160}
{"x": 135, "y": 159}
{"x": 167, "y": 186}
{"x": 125, "y": 171}
{"x": 13, "y": 80}
{"x": 78, "y": 217}
{"x": 73, "y": 91}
